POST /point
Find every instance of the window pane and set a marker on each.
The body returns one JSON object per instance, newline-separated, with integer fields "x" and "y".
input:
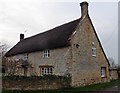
{"x": 47, "y": 70}
{"x": 103, "y": 69}
{"x": 48, "y": 54}
{"x": 42, "y": 71}
{"x": 50, "y": 70}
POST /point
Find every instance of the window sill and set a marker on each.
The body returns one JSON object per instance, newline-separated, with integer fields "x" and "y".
{"x": 46, "y": 57}
{"x": 103, "y": 76}
{"x": 94, "y": 55}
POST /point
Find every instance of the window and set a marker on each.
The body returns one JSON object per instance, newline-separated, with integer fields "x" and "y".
{"x": 46, "y": 53}
{"x": 103, "y": 71}
{"x": 25, "y": 56}
{"x": 17, "y": 60}
{"x": 46, "y": 70}
{"x": 93, "y": 51}
{"x": 42, "y": 71}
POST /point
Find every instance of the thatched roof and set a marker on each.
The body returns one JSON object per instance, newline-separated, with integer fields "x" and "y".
{"x": 54, "y": 38}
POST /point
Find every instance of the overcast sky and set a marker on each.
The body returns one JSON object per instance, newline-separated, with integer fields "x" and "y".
{"x": 34, "y": 16}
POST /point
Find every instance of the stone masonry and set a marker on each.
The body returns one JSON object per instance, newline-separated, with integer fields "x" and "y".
{"x": 76, "y": 59}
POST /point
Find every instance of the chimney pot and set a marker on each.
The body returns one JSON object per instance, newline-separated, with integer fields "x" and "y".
{"x": 21, "y": 37}
{"x": 84, "y": 8}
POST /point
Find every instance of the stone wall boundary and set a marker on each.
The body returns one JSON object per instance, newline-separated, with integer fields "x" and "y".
{"x": 35, "y": 82}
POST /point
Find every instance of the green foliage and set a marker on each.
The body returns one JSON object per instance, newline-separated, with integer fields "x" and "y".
{"x": 65, "y": 81}
{"x": 44, "y": 77}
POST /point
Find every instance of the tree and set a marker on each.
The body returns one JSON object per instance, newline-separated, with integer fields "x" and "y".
{"x": 112, "y": 62}
{"x": 3, "y": 49}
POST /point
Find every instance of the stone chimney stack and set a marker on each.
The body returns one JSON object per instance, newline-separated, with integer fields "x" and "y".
{"x": 21, "y": 37}
{"x": 84, "y": 8}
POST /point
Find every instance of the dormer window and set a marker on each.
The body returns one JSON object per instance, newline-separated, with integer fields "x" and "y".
{"x": 46, "y": 53}
{"x": 26, "y": 56}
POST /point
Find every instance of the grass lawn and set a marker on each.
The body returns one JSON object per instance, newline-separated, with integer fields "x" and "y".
{"x": 85, "y": 89}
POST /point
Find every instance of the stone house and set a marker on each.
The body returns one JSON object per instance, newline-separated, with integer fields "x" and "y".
{"x": 72, "y": 48}
{"x": 113, "y": 73}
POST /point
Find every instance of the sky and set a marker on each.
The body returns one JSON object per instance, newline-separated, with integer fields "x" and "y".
{"x": 31, "y": 17}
